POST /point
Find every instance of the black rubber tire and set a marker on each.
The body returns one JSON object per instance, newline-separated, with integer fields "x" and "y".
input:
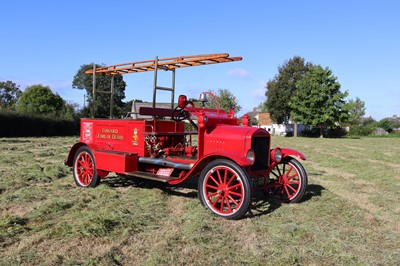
{"x": 234, "y": 194}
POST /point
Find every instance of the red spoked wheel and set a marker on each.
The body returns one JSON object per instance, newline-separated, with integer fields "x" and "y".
{"x": 85, "y": 173}
{"x": 224, "y": 188}
{"x": 288, "y": 181}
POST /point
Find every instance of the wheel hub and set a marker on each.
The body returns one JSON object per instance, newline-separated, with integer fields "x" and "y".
{"x": 283, "y": 180}
{"x": 223, "y": 190}
{"x": 84, "y": 167}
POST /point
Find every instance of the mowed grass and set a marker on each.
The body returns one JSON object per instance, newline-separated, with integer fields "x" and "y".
{"x": 350, "y": 214}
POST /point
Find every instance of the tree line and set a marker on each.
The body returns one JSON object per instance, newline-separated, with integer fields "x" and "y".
{"x": 36, "y": 99}
{"x": 310, "y": 94}
{"x": 40, "y": 100}
{"x": 300, "y": 92}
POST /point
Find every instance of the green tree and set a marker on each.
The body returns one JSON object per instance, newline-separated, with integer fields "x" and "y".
{"x": 196, "y": 102}
{"x": 262, "y": 107}
{"x": 70, "y": 110}
{"x": 39, "y": 99}
{"x": 281, "y": 88}
{"x": 84, "y": 81}
{"x": 368, "y": 121}
{"x": 364, "y": 128}
{"x": 9, "y": 94}
{"x": 388, "y": 124}
{"x": 356, "y": 110}
{"x": 318, "y": 101}
{"x": 225, "y": 99}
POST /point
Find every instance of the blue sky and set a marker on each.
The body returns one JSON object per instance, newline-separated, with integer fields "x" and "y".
{"x": 46, "y": 42}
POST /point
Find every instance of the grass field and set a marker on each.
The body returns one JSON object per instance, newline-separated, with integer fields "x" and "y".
{"x": 350, "y": 215}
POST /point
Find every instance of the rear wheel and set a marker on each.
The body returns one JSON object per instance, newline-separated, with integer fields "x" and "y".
{"x": 288, "y": 181}
{"x": 84, "y": 167}
{"x": 224, "y": 188}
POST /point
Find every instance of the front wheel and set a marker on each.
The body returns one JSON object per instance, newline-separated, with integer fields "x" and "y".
{"x": 288, "y": 181}
{"x": 84, "y": 168}
{"x": 224, "y": 188}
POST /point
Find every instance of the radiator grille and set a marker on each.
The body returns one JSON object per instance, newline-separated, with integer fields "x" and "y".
{"x": 260, "y": 145}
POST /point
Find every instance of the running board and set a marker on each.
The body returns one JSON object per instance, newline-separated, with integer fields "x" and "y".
{"x": 151, "y": 176}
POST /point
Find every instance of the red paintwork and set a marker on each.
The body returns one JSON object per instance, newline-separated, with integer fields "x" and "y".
{"x": 290, "y": 152}
{"x": 238, "y": 141}
{"x": 117, "y": 144}
{"x": 123, "y": 135}
{"x": 234, "y": 154}
{"x": 116, "y": 161}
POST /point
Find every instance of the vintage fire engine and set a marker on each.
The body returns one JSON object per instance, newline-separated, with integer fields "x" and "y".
{"x": 229, "y": 157}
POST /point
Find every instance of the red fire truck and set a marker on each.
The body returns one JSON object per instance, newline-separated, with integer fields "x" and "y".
{"x": 229, "y": 157}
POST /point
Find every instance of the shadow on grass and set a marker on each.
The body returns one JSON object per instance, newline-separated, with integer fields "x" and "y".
{"x": 312, "y": 191}
{"x": 261, "y": 204}
{"x": 187, "y": 189}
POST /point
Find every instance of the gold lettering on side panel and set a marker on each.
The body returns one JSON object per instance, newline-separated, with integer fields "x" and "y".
{"x": 109, "y": 133}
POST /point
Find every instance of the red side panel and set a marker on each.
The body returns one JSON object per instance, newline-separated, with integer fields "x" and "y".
{"x": 116, "y": 161}
{"x": 114, "y": 135}
{"x": 114, "y": 141}
{"x": 124, "y": 135}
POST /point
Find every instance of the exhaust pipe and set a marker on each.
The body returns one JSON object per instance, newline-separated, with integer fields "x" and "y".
{"x": 163, "y": 162}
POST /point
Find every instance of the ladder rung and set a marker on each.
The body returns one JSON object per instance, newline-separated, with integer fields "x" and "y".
{"x": 164, "y": 88}
{"x": 109, "y": 92}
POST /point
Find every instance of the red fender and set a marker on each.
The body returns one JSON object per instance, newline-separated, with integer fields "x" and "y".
{"x": 233, "y": 156}
{"x": 198, "y": 167}
{"x": 290, "y": 152}
{"x": 71, "y": 153}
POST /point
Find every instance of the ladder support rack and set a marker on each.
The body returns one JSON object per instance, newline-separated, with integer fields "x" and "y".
{"x": 167, "y": 64}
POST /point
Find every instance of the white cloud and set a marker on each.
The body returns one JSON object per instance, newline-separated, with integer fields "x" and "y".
{"x": 262, "y": 84}
{"x": 239, "y": 73}
{"x": 259, "y": 93}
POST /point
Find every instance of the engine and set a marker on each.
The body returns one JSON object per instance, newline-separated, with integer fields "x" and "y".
{"x": 168, "y": 145}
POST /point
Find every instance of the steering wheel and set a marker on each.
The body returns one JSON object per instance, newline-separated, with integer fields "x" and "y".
{"x": 179, "y": 114}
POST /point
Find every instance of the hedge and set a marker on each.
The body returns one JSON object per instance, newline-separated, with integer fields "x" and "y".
{"x": 13, "y": 124}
